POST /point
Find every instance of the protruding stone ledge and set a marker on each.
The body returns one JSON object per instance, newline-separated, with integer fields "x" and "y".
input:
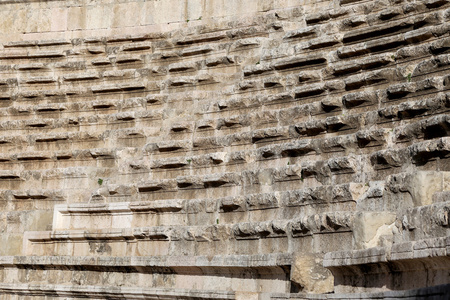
{"x": 414, "y": 250}
{"x": 355, "y": 257}
{"x": 231, "y": 261}
{"x": 4, "y": 55}
{"x": 439, "y": 292}
{"x": 111, "y": 292}
{"x": 369, "y": 269}
{"x": 420, "y": 221}
{"x": 331, "y": 222}
{"x": 423, "y": 249}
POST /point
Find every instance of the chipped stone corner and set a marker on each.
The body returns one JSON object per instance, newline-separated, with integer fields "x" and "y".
{"x": 372, "y": 229}
{"x": 308, "y": 273}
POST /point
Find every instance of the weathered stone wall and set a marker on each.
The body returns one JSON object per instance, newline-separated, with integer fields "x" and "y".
{"x": 55, "y": 19}
{"x": 225, "y": 149}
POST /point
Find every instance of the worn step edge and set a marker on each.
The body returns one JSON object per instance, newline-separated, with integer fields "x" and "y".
{"x": 239, "y": 261}
{"x": 415, "y": 250}
{"x": 114, "y": 292}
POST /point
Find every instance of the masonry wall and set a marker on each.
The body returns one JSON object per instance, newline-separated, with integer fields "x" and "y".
{"x": 25, "y": 20}
{"x": 224, "y": 150}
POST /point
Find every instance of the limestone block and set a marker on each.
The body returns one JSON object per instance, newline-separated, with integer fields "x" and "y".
{"x": 147, "y": 16}
{"x": 58, "y": 19}
{"x": 171, "y": 10}
{"x": 44, "y": 20}
{"x": 308, "y": 272}
{"x": 371, "y": 229}
{"x": 246, "y": 296}
{"x": 194, "y": 10}
{"x": 421, "y": 186}
{"x": 76, "y": 17}
{"x": 425, "y": 184}
{"x": 126, "y": 14}
{"x": 11, "y": 244}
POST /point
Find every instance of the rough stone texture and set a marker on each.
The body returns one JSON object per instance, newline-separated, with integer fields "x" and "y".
{"x": 308, "y": 272}
{"x": 209, "y": 149}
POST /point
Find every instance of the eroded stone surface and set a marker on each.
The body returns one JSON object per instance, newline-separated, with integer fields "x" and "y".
{"x": 209, "y": 150}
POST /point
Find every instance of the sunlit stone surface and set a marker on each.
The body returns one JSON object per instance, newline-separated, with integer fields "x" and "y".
{"x": 207, "y": 149}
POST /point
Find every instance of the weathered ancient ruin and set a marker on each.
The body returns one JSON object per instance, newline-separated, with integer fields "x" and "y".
{"x": 225, "y": 149}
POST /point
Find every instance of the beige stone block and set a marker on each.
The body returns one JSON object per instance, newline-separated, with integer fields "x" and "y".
{"x": 138, "y": 14}
{"x": 357, "y": 190}
{"x": 131, "y": 248}
{"x": 98, "y": 221}
{"x": 194, "y": 10}
{"x": 134, "y": 13}
{"x": 244, "y": 285}
{"x": 241, "y": 7}
{"x": 164, "y": 219}
{"x": 309, "y": 273}
{"x": 104, "y": 248}
{"x": 11, "y": 244}
{"x": 45, "y": 20}
{"x": 38, "y": 220}
{"x": 95, "y": 17}
{"x": 126, "y": 14}
{"x": 186, "y": 282}
{"x": 425, "y": 183}
{"x": 20, "y": 20}
{"x": 147, "y": 220}
{"x": 121, "y": 220}
{"x": 77, "y": 222}
{"x": 288, "y": 3}
{"x": 60, "y": 220}
{"x": 446, "y": 181}
{"x": 29, "y": 247}
{"x": 11, "y": 275}
{"x": 173, "y": 11}
{"x": 15, "y": 221}
{"x": 76, "y": 18}
{"x": 118, "y": 248}
{"x": 107, "y": 18}
{"x": 218, "y": 8}
{"x": 32, "y": 19}
{"x": 44, "y": 249}
{"x": 148, "y": 248}
{"x": 89, "y": 222}
{"x": 82, "y": 248}
{"x": 119, "y": 14}
{"x": 63, "y": 248}
{"x": 246, "y": 296}
{"x": 147, "y": 16}
{"x": 370, "y": 228}
{"x": 58, "y": 19}
{"x": 335, "y": 241}
{"x": 5, "y": 20}
{"x": 216, "y": 285}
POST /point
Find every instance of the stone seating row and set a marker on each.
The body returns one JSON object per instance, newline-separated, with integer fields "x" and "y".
{"x": 330, "y": 124}
{"x": 332, "y": 102}
{"x": 182, "y": 211}
{"x": 323, "y": 170}
{"x": 435, "y": 47}
{"x": 180, "y": 156}
{"x": 337, "y": 222}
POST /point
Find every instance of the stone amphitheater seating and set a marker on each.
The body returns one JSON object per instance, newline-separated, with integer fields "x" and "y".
{"x": 293, "y": 155}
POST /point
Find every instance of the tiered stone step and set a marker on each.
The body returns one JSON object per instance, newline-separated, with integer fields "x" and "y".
{"x": 439, "y": 291}
{"x": 268, "y": 270}
{"x": 412, "y": 258}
